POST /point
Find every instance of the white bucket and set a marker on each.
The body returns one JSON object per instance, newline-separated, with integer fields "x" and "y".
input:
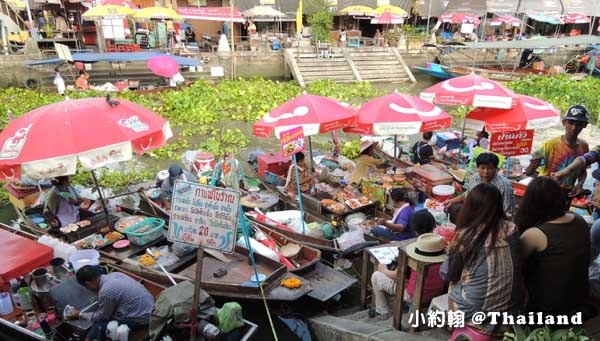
{"x": 81, "y": 258}
{"x": 443, "y": 192}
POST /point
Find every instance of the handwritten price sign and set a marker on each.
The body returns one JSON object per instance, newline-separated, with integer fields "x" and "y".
{"x": 512, "y": 143}
{"x": 292, "y": 141}
{"x": 204, "y": 216}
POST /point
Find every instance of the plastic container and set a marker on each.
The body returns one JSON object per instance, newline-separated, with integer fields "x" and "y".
{"x": 442, "y": 192}
{"x": 6, "y": 306}
{"x": 145, "y": 231}
{"x": 81, "y": 258}
{"x": 204, "y": 162}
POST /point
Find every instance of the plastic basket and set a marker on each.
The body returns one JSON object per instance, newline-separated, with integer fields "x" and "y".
{"x": 145, "y": 231}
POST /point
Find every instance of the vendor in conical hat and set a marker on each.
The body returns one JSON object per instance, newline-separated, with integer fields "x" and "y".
{"x": 365, "y": 161}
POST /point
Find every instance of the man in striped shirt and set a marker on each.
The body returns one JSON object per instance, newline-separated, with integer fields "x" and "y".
{"x": 120, "y": 298}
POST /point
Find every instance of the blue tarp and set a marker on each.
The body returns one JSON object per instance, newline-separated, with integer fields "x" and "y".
{"x": 93, "y": 57}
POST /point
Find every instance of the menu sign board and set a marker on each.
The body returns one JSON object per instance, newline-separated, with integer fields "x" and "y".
{"x": 204, "y": 216}
{"x": 292, "y": 141}
{"x": 512, "y": 143}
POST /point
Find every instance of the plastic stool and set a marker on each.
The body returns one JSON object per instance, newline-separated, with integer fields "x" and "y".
{"x": 470, "y": 334}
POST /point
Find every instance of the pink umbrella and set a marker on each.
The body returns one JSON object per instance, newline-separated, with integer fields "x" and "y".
{"x": 505, "y": 19}
{"x": 92, "y": 131}
{"x": 398, "y": 114}
{"x": 528, "y": 113}
{"x": 459, "y": 18}
{"x": 576, "y": 18}
{"x": 316, "y": 114}
{"x": 126, "y": 3}
{"x": 388, "y": 18}
{"x": 472, "y": 90}
{"x": 164, "y": 66}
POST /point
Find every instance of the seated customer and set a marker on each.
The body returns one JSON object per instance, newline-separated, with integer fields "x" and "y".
{"x": 399, "y": 227}
{"x": 120, "y": 298}
{"x": 82, "y": 81}
{"x": 555, "y": 246}
{"x": 304, "y": 177}
{"x": 483, "y": 264}
{"x": 62, "y": 203}
{"x": 383, "y": 280}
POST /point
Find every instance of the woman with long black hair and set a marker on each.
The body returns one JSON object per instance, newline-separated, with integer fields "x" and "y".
{"x": 483, "y": 263}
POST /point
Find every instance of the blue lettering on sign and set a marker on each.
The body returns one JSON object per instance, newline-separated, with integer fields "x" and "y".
{"x": 182, "y": 188}
{"x": 225, "y": 240}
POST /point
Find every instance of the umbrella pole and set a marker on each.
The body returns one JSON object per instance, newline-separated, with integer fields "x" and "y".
{"x": 101, "y": 197}
{"x": 310, "y": 154}
{"x": 299, "y": 192}
{"x": 462, "y": 135}
{"x": 395, "y": 144}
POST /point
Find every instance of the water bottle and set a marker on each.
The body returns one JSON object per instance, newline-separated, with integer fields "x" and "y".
{"x": 208, "y": 329}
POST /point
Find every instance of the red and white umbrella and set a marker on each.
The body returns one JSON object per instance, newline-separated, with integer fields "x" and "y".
{"x": 576, "y": 18}
{"x": 459, "y": 18}
{"x": 505, "y": 19}
{"x": 472, "y": 90}
{"x": 49, "y": 141}
{"x": 528, "y": 113}
{"x": 398, "y": 114}
{"x": 316, "y": 114}
{"x": 164, "y": 66}
{"x": 388, "y": 18}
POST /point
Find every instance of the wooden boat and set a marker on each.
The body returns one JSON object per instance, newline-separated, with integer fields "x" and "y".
{"x": 236, "y": 281}
{"x": 307, "y": 256}
{"x": 435, "y": 70}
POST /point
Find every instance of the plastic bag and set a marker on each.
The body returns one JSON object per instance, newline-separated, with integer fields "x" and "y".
{"x": 347, "y": 239}
{"x": 291, "y": 218}
{"x": 181, "y": 249}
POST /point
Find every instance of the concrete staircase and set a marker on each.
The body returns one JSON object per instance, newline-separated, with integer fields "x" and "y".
{"x": 380, "y": 64}
{"x": 312, "y": 67}
{"x": 346, "y": 65}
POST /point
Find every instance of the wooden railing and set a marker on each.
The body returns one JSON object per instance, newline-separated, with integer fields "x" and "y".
{"x": 8, "y": 10}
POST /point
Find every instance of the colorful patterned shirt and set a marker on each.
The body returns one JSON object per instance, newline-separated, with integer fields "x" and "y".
{"x": 502, "y": 184}
{"x": 556, "y": 155}
{"x": 592, "y": 156}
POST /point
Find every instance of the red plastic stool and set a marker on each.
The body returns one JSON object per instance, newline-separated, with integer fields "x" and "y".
{"x": 470, "y": 334}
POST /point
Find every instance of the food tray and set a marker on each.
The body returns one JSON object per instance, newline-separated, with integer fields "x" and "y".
{"x": 94, "y": 241}
{"x": 145, "y": 231}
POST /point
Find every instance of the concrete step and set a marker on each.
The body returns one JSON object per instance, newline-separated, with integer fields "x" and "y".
{"x": 320, "y": 61}
{"x": 331, "y": 77}
{"x": 370, "y": 54}
{"x": 325, "y": 69}
{"x": 323, "y": 65}
{"x": 380, "y": 63}
{"x": 387, "y": 80}
{"x": 374, "y": 59}
{"x": 383, "y": 70}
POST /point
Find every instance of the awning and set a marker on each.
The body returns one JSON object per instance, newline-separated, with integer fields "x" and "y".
{"x": 587, "y": 7}
{"x": 93, "y": 57}
{"x": 502, "y": 6}
{"x": 539, "y": 7}
{"x": 430, "y": 8}
{"x": 477, "y": 7}
{"x": 211, "y": 13}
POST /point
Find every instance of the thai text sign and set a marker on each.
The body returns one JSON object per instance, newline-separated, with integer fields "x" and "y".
{"x": 292, "y": 141}
{"x": 512, "y": 143}
{"x": 204, "y": 216}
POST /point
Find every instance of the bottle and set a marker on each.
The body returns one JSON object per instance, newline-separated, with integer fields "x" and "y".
{"x": 25, "y": 295}
{"x": 14, "y": 288}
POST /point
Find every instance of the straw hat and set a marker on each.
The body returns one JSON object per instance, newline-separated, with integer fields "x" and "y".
{"x": 364, "y": 145}
{"x": 429, "y": 247}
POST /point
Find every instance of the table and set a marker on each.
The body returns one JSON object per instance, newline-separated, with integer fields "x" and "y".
{"x": 404, "y": 261}
{"x": 323, "y": 50}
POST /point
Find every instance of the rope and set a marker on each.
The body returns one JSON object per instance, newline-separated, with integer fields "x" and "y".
{"x": 260, "y": 284}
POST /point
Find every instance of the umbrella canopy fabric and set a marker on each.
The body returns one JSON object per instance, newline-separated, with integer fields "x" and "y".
{"x": 388, "y": 18}
{"x": 210, "y": 13}
{"x": 528, "y": 113}
{"x": 48, "y": 141}
{"x": 459, "y": 18}
{"x": 263, "y": 11}
{"x": 553, "y": 19}
{"x": 576, "y": 18}
{"x": 164, "y": 66}
{"x": 472, "y": 90}
{"x": 398, "y": 114}
{"x": 505, "y": 19}
{"x": 156, "y": 13}
{"x": 316, "y": 114}
{"x": 391, "y": 9}
{"x": 358, "y": 10}
{"x": 107, "y": 11}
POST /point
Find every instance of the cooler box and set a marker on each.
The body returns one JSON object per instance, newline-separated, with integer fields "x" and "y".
{"x": 19, "y": 256}
{"x": 447, "y": 139}
{"x": 426, "y": 177}
{"x": 274, "y": 163}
